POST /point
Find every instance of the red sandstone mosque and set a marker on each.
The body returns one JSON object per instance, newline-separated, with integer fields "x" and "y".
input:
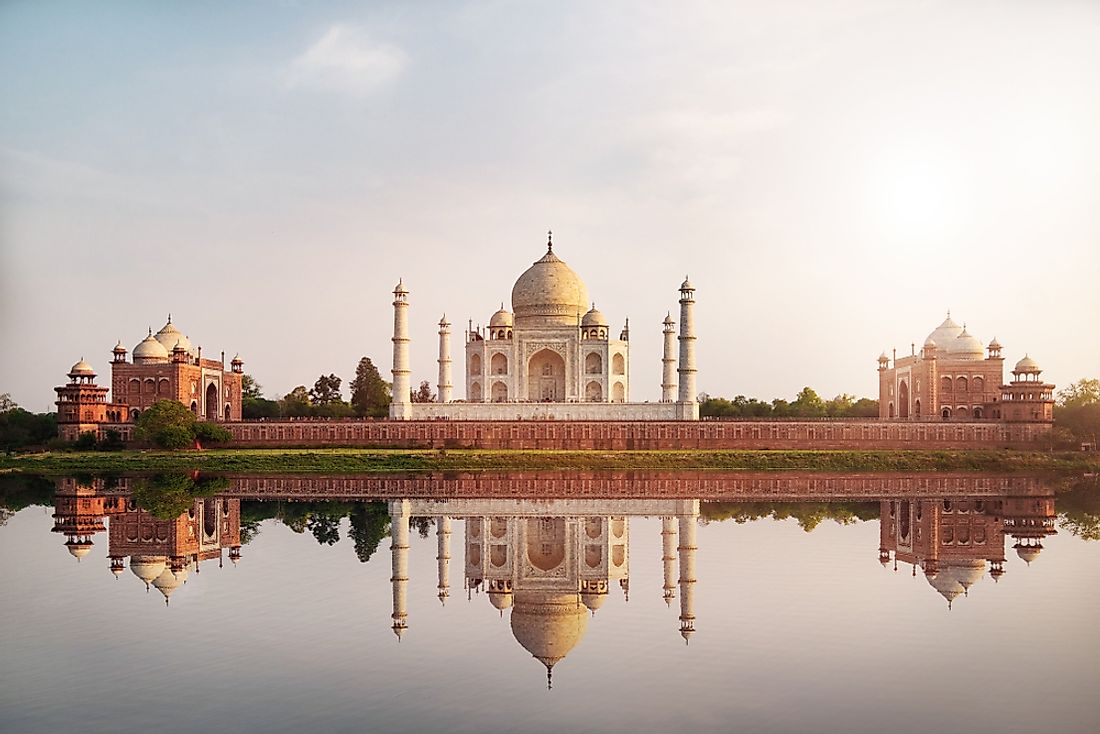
{"x": 954, "y": 377}
{"x": 165, "y": 366}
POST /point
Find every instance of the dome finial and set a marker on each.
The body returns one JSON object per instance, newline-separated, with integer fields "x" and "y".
{"x": 169, "y": 317}
{"x": 549, "y": 240}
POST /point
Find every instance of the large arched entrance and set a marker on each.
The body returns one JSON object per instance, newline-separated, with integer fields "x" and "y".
{"x": 903, "y": 399}
{"x": 546, "y": 377}
{"x": 212, "y": 402}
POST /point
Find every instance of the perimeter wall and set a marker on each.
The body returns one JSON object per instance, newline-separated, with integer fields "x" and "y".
{"x": 642, "y": 435}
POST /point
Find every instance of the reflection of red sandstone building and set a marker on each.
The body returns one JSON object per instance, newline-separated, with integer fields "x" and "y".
{"x": 165, "y": 366}
{"x": 162, "y": 552}
{"x": 951, "y": 378}
{"x": 951, "y": 540}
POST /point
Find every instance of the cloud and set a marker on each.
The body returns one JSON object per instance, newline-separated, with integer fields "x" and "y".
{"x": 347, "y": 61}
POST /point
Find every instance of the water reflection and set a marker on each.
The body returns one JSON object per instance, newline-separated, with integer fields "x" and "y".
{"x": 551, "y": 563}
{"x": 951, "y": 540}
{"x": 162, "y": 552}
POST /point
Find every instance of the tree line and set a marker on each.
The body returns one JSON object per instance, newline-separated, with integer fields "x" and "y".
{"x": 370, "y": 397}
{"x": 807, "y": 404}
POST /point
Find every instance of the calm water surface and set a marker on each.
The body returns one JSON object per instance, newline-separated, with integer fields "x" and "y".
{"x": 291, "y": 604}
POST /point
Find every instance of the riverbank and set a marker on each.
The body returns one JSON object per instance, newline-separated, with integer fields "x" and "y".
{"x": 357, "y": 461}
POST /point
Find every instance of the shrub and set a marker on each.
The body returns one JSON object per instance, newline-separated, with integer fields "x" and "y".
{"x": 207, "y": 433}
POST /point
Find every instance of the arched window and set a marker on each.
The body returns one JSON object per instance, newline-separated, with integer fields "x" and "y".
{"x": 978, "y": 384}
{"x": 978, "y": 413}
{"x": 475, "y": 392}
{"x": 960, "y": 384}
{"x": 593, "y": 364}
{"x": 499, "y": 364}
{"x": 891, "y": 411}
{"x": 475, "y": 364}
{"x": 618, "y": 393}
{"x": 945, "y": 384}
{"x": 945, "y": 413}
{"x": 228, "y": 412}
{"x": 500, "y": 392}
{"x": 593, "y": 392}
{"x": 618, "y": 365}
{"x": 916, "y": 408}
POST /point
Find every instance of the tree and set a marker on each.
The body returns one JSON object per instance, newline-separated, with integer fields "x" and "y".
{"x": 250, "y": 389}
{"x": 1083, "y": 392}
{"x": 423, "y": 394}
{"x": 295, "y": 403}
{"x": 253, "y": 408}
{"x": 326, "y": 390}
{"x": 208, "y": 433}
{"x": 21, "y": 429}
{"x": 807, "y": 404}
{"x": 6, "y": 403}
{"x": 1077, "y": 412}
{"x": 167, "y": 424}
{"x": 370, "y": 394}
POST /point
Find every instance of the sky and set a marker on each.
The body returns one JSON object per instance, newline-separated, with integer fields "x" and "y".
{"x": 833, "y": 176}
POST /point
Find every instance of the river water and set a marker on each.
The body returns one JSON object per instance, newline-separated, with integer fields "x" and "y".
{"x": 496, "y": 603}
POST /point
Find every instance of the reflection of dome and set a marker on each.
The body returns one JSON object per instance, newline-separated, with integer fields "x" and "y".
{"x": 1028, "y": 553}
{"x": 956, "y": 578}
{"x": 147, "y": 568}
{"x": 550, "y": 291}
{"x": 169, "y": 337}
{"x": 594, "y": 318}
{"x": 946, "y": 332}
{"x": 593, "y": 599}
{"x": 150, "y": 350}
{"x": 500, "y": 599}
{"x": 79, "y": 548}
{"x": 503, "y": 317}
{"x": 1027, "y": 365}
{"x": 548, "y": 624}
{"x": 168, "y": 581}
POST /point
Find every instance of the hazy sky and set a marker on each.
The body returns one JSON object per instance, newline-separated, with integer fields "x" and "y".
{"x": 832, "y": 175}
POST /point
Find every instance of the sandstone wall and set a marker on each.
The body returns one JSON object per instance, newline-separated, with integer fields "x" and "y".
{"x": 649, "y": 435}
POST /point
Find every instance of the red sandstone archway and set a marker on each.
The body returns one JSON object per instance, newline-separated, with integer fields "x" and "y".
{"x": 212, "y": 402}
{"x": 903, "y": 399}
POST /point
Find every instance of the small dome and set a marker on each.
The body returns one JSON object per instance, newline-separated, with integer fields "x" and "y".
{"x": 500, "y": 599}
{"x": 550, "y": 292}
{"x": 169, "y": 337}
{"x": 147, "y": 568}
{"x": 883, "y": 358}
{"x": 82, "y": 368}
{"x": 119, "y": 349}
{"x": 1027, "y": 365}
{"x": 237, "y": 359}
{"x": 1028, "y": 553}
{"x": 79, "y": 548}
{"x": 668, "y": 319}
{"x": 593, "y": 600}
{"x": 966, "y": 346}
{"x": 930, "y": 343}
{"x": 946, "y": 332}
{"x": 594, "y": 318}
{"x": 150, "y": 350}
{"x": 502, "y": 318}
{"x": 686, "y": 285}
{"x": 400, "y": 287}
{"x": 168, "y": 581}
{"x": 995, "y": 344}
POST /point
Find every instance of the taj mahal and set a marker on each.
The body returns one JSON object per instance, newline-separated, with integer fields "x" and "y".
{"x": 552, "y": 356}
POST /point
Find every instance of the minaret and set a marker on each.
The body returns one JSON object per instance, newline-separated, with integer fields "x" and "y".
{"x": 443, "y": 556}
{"x": 687, "y": 352}
{"x": 401, "y": 403}
{"x": 399, "y": 552}
{"x": 444, "y": 387}
{"x": 687, "y": 550}
{"x": 668, "y": 361}
{"x": 668, "y": 556}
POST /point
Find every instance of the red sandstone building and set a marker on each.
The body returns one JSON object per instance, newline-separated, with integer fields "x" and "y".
{"x": 165, "y": 366}
{"x": 954, "y": 377}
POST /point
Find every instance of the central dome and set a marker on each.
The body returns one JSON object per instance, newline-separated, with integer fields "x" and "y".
{"x": 549, "y": 292}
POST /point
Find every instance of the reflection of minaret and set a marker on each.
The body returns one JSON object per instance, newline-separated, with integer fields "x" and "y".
{"x": 443, "y": 556}
{"x": 687, "y": 550}
{"x": 399, "y": 550}
{"x": 668, "y": 556}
